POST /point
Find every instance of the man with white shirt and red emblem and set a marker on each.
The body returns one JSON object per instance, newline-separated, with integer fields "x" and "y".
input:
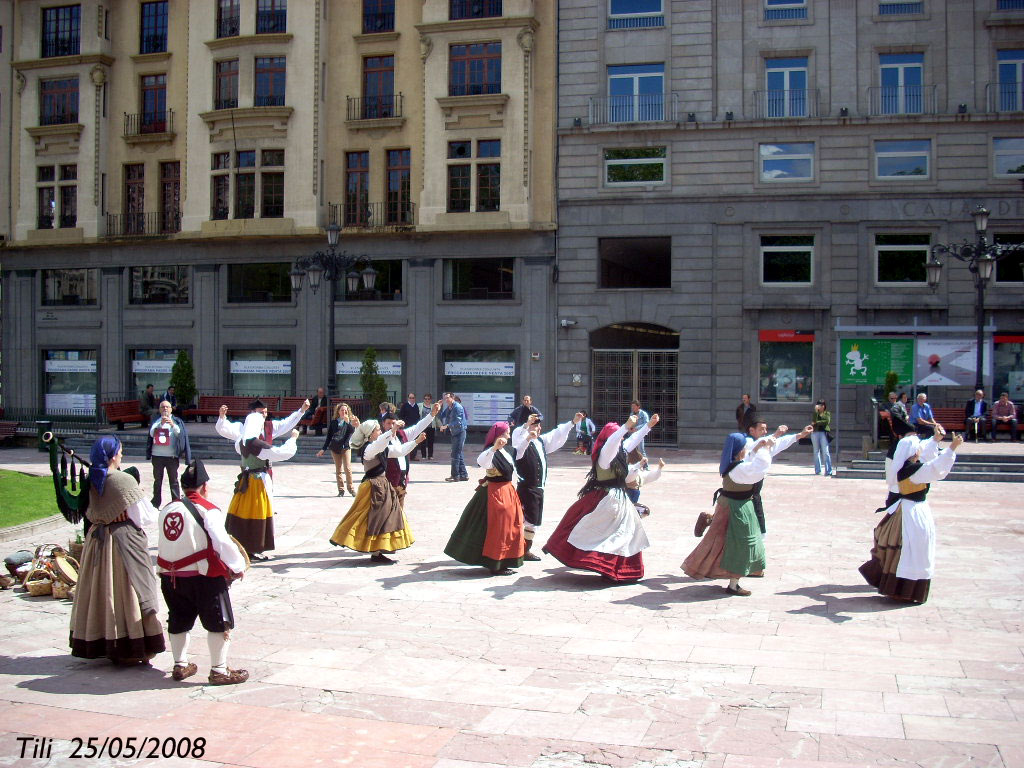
{"x": 197, "y": 560}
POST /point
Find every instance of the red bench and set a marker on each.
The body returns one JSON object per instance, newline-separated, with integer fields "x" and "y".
{"x": 1002, "y": 426}
{"x": 951, "y": 419}
{"x": 8, "y": 429}
{"x": 238, "y": 407}
{"x": 123, "y": 412}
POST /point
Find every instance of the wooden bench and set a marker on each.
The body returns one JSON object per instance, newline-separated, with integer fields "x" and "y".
{"x": 8, "y": 429}
{"x": 1002, "y": 426}
{"x": 238, "y": 407}
{"x": 123, "y": 412}
{"x": 951, "y": 419}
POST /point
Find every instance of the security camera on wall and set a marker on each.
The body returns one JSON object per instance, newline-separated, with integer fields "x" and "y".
{"x": 567, "y": 323}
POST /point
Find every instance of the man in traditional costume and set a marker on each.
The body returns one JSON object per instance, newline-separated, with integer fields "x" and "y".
{"x": 531, "y": 451}
{"x": 397, "y": 466}
{"x": 251, "y": 513}
{"x": 903, "y": 556}
{"x": 781, "y": 441}
{"x": 196, "y": 561}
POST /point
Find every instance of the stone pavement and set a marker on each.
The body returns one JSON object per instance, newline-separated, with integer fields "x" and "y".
{"x": 432, "y": 664}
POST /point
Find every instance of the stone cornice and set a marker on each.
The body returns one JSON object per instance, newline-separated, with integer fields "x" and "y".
{"x": 248, "y": 41}
{"x": 499, "y": 22}
{"x": 151, "y": 58}
{"x": 63, "y": 62}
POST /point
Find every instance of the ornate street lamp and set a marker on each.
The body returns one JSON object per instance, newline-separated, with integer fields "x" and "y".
{"x": 332, "y": 265}
{"x": 980, "y": 258}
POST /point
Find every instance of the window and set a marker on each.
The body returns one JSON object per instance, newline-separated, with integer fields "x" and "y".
{"x": 154, "y": 104}
{"x": 635, "y": 262}
{"x": 378, "y": 16}
{"x": 1008, "y": 156}
{"x": 70, "y": 287}
{"x": 259, "y": 283}
{"x": 483, "y": 167}
{"x": 220, "y": 196}
{"x": 1010, "y": 269}
{"x": 902, "y": 79}
{"x": 271, "y": 16}
{"x": 226, "y": 84}
{"x": 170, "y": 197}
{"x": 900, "y": 159}
{"x": 241, "y": 180}
{"x": 56, "y": 196}
{"x": 1010, "y": 64}
{"x": 272, "y": 195}
{"x": 348, "y": 363}
{"x": 70, "y": 381}
{"x": 636, "y": 93}
{"x": 634, "y": 14}
{"x": 787, "y": 162}
{"x": 786, "y": 87}
{"x": 166, "y": 284}
{"x": 899, "y": 7}
{"x": 152, "y": 366}
{"x": 1010, "y": 5}
{"x": 1008, "y": 365}
{"x": 270, "y": 77}
{"x": 135, "y": 199}
{"x": 780, "y": 10}
{"x": 153, "y": 28}
{"x": 484, "y": 380}
{"x": 357, "y": 189}
{"x": 58, "y": 101}
{"x": 483, "y": 279}
{"x": 260, "y": 372}
{"x": 387, "y": 284}
{"x": 227, "y": 18}
{"x": 398, "y": 203}
{"x": 474, "y": 69}
{"x": 787, "y": 259}
{"x": 900, "y": 259}
{"x": 61, "y": 31}
{"x": 473, "y": 9}
{"x": 245, "y": 195}
{"x": 378, "y": 87}
{"x": 637, "y": 165}
{"x": 787, "y": 365}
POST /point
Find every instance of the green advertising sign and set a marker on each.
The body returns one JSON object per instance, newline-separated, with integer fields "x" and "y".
{"x": 866, "y": 361}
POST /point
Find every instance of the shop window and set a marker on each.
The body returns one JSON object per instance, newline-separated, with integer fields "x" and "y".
{"x": 387, "y": 283}
{"x": 70, "y": 287}
{"x": 260, "y": 372}
{"x": 151, "y": 366}
{"x": 479, "y": 279}
{"x": 159, "y": 285}
{"x": 635, "y": 262}
{"x": 70, "y": 381}
{"x": 348, "y": 363}
{"x": 786, "y": 366}
{"x": 259, "y": 283}
{"x": 484, "y": 381}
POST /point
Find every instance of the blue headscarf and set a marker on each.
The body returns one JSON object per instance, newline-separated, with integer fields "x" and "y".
{"x": 103, "y": 450}
{"x": 734, "y": 442}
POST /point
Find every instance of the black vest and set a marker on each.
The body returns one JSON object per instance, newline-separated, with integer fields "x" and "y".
{"x": 533, "y": 473}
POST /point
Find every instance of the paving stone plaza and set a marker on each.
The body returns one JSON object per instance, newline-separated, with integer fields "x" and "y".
{"x": 431, "y": 664}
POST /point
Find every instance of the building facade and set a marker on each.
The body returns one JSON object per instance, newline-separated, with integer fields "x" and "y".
{"x": 738, "y": 177}
{"x": 172, "y": 159}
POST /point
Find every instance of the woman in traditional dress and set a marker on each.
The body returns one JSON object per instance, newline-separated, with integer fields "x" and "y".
{"x": 602, "y": 532}
{"x": 117, "y": 598}
{"x": 338, "y": 440}
{"x": 733, "y": 546}
{"x": 903, "y": 558}
{"x": 490, "y": 531}
{"x": 375, "y": 522}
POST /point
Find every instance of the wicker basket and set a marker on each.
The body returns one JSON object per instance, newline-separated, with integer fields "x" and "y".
{"x": 39, "y": 587}
{"x": 75, "y": 549}
{"x": 61, "y": 591}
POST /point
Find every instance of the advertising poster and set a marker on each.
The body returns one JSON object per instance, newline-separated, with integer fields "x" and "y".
{"x": 485, "y": 408}
{"x": 949, "y": 362}
{"x": 867, "y": 361}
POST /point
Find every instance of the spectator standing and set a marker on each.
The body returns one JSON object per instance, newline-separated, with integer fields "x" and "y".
{"x": 521, "y": 413}
{"x": 975, "y": 413}
{"x": 339, "y": 435}
{"x": 426, "y": 448}
{"x": 746, "y": 414}
{"x": 585, "y": 432}
{"x": 170, "y": 445}
{"x": 410, "y": 413}
{"x": 454, "y": 422}
{"x": 1004, "y": 412}
{"x": 642, "y": 418}
{"x": 821, "y": 421}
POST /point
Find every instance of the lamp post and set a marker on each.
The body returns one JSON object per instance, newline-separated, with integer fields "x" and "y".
{"x": 332, "y": 265}
{"x": 980, "y": 258}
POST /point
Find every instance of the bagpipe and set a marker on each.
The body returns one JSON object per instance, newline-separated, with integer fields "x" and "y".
{"x": 70, "y": 478}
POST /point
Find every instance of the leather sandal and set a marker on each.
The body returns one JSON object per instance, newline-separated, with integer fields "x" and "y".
{"x": 738, "y": 590}
{"x": 233, "y": 677}
{"x": 181, "y": 671}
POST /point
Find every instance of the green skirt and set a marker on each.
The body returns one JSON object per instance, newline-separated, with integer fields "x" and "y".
{"x": 469, "y": 539}
{"x": 744, "y": 548}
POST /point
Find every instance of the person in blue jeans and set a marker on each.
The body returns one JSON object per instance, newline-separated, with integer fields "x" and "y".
{"x": 822, "y": 423}
{"x": 453, "y": 421}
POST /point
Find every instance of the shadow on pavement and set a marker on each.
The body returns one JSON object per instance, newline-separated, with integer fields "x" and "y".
{"x": 93, "y": 677}
{"x": 836, "y": 609}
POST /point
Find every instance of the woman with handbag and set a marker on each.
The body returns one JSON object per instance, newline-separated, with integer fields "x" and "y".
{"x": 339, "y": 433}
{"x": 821, "y": 437}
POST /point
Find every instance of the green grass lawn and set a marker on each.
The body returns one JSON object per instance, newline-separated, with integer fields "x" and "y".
{"x": 24, "y": 498}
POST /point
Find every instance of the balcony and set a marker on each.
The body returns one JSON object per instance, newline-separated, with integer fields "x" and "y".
{"x": 60, "y": 45}
{"x": 268, "y": 100}
{"x": 228, "y": 26}
{"x": 231, "y": 103}
{"x": 67, "y": 117}
{"x": 151, "y": 224}
{"x": 148, "y": 123}
{"x": 374, "y": 23}
{"x": 902, "y": 100}
{"x": 899, "y": 8}
{"x": 649, "y": 108}
{"x": 774, "y": 104}
{"x": 783, "y": 12}
{"x": 473, "y": 9}
{"x": 1005, "y": 97}
{"x": 271, "y": 22}
{"x": 636, "y": 21}
{"x": 380, "y": 217}
{"x": 155, "y": 43}
{"x": 374, "y": 107}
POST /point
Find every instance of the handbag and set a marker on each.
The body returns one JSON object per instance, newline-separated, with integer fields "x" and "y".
{"x": 703, "y": 521}
{"x": 804, "y": 441}
{"x": 338, "y": 440}
{"x": 828, "y": 435}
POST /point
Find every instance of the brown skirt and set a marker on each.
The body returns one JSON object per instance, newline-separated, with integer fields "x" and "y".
{"x": 880, "y": 570}
{"x": 704, "y": 562}
{"x": 106, "y": 617}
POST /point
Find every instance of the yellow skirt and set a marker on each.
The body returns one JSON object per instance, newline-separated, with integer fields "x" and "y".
{"x": 352, "y": 530}
{"x": 254, "y": 503}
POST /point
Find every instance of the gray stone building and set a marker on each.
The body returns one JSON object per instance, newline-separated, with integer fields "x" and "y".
{"x": 737, "y": 177}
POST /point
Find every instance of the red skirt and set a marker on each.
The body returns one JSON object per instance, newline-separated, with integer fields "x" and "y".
{"x": 613, "y": 567}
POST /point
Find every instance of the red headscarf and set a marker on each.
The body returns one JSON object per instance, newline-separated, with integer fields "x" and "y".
{"x": 499, "y": 429}
{"x": 607, "y": 431}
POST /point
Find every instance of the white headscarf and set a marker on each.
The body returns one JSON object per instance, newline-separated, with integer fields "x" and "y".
{"x": 906, "y": 448}
{"x": 253, "y": 426}
{"x": 363, "y": 432}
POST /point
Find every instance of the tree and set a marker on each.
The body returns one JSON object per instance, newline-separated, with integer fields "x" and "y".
{"x": 892, "y": 380}
{"x": 374, "y": 388}
{"x": 183, "y": 379}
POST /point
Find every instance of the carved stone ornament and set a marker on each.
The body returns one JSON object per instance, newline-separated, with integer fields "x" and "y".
{"x": 426, "y": 46}
{"x": 20, "y": 79}
{"x": 98, "y": 75}
{"x": 525, "y": 39}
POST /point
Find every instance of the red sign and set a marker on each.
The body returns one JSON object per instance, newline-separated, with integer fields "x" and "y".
{"x": 785, "y": 335}
{"x": 1008, "y": 338}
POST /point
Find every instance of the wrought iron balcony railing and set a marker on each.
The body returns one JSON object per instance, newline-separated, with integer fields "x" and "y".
{"x": 231, "y": 103}
{"x": 154, "y": 43}
{"x": 1005, "y": 97}
{"x": 59, "y": 118}
{"x": 899, "y": 8}
{"x": 786, "y": 103}
{"x": 269, "y": 22}
{"x": 60, "y": 45}
{"x": 268, "y": 100}
{"x": 902, "y": 99}
{"x": 44, "y": 221}
{"x": 643, "y": 108}
{"x": 357, "y": 214}
{"x": 228, "y": 25}
{"x": 636, "y": 21}
{"x": 374, "y": 107}
{"x": 473, "y": 9}
{"x": 378, "y": 22}
{"x": 149, "y": 122}
{"x": 148, "y": 224}
{"x": 786, "y": 13}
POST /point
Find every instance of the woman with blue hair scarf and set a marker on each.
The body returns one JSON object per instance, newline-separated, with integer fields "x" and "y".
{"x": 116, "y": 600}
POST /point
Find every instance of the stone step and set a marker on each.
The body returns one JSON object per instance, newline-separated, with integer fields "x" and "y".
{"x": 877, "y": 472}
{"x": 971, "y": 465}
